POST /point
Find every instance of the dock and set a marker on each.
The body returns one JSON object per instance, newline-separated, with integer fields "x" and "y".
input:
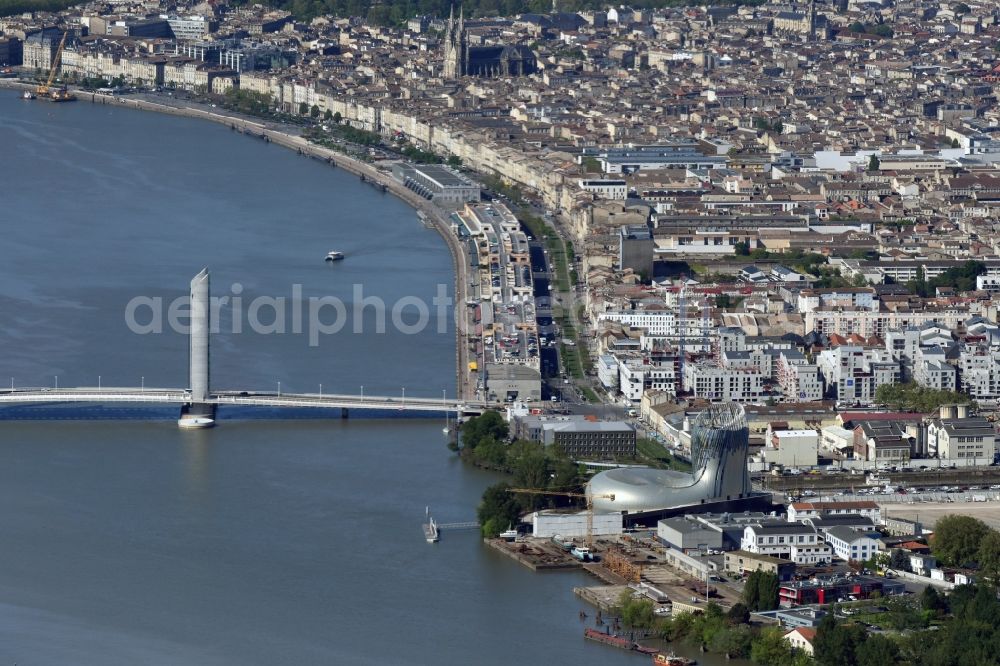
{"x": 604, "y": 597}
{"x": 535, "y": 556}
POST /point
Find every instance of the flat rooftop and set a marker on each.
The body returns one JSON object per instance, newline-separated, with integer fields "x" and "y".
{"x": 441, "y": 175}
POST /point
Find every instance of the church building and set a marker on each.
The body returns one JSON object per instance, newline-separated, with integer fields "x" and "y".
{"x": 460, "y": 59}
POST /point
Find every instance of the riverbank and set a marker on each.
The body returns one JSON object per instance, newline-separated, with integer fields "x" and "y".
{"x": 465, "y": 385}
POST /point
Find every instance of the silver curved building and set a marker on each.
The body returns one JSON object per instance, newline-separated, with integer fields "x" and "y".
{"x": 719, "y": 441}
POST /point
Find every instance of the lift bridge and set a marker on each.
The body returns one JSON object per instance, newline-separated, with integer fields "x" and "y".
{"x": 198, "y": 404}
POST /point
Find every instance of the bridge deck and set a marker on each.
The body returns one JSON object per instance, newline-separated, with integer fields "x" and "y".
{"x": 245, "y": 398}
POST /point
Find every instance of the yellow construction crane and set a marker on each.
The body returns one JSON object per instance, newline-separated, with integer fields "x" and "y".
{"x": 587, "y": 496}
{"x": 46, "y": 89}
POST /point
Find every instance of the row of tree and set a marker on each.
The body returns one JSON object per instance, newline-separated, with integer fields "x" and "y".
{"x": 912, "y": 397}
{"x": 729, "y": 633}
{"x": 962, "y": 278}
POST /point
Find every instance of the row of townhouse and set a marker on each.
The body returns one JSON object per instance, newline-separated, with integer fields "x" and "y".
{"x": 873, "y": 323}
{"x": 139, "y": 69}
{"x": 540, "y": 172}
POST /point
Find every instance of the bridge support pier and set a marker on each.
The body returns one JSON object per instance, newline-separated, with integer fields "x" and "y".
{"x": 343, "y": 412}
{"x": 197, "y": 415}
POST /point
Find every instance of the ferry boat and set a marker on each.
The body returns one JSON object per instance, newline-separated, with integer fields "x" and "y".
{"x": 660, "y": 659}
{"x": 333, "y": 255}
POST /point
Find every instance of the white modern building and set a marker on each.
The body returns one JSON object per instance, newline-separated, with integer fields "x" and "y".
{"x": 792, "y": 541}
{"x": 852, "y": 373}
{"x": 852, "y": 545}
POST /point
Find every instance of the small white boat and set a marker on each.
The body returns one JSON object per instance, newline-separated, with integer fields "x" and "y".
{"x": 28, "y": 95}
{"x": 194, "y": 422}
{"x": 333, "y": 255}
{"x": 509, "y": 534}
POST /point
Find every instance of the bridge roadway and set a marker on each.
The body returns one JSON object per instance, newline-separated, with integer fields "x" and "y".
{"x": 244, "y": 398}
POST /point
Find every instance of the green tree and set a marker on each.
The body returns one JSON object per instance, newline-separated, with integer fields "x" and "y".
{"x": 303, "y": 109}
{"x": 328, "y": 115}
{"x": 738, "y": 613}
{"x": 771, "y": 648}
{"x": 881, "y": 29}
{"x": 337, "y": 117}
{"x": 899, "y": 560}
{"x": 529, "y": 464}
{"x": 877, "y": 650}
{"x": 931, "y": 600}
{"x": 915, "y": 398}
{"x": 454, "y": 161}
{"x": 857, "y": 26}
{"x": 874, "y": 163}
{"x": 836, "y": 644}
{"x": 314, "y": 111}
{"x": 734, "y": 642}
{"x": 760, "y": 593}
{"x": 635, "y": 612}
{"x": 490, "y": 452}
{"x": 490, "y": 424}
{"x": 988, "y": 557}
{"x": 957, "y": 539}
{"x": 498, "y": 510}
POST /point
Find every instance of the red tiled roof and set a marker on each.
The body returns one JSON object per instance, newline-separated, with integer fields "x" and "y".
{"x": 807, "y": 633}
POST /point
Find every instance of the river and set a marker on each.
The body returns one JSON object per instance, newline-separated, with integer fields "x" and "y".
{"x": 257, "y": 542}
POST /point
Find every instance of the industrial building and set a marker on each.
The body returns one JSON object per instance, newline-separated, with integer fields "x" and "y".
{"x": 512, "y": 382}
{"x": 742, "y": 561}
{"x": 436, "y": 183}
{"x": 547, "y": 524}
{"x": 820, "y": 591}
{"x": 579, "y": 436}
